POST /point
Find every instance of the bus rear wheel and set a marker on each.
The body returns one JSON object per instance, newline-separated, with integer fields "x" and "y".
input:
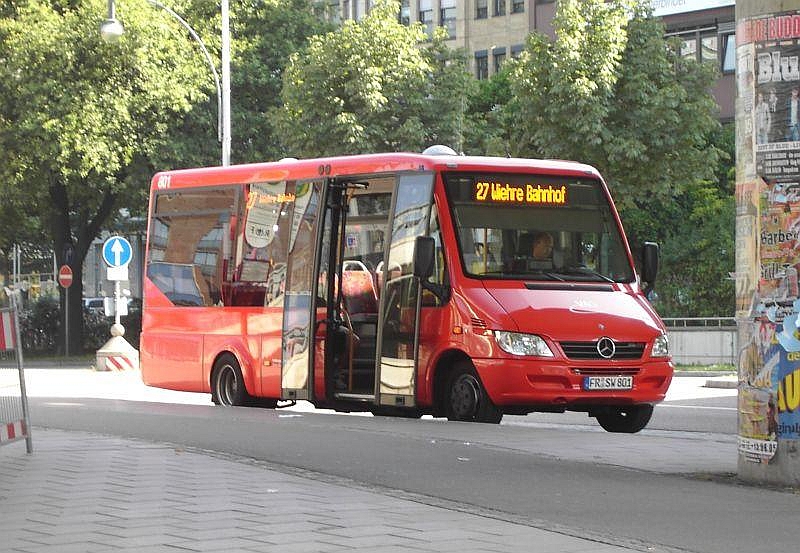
{"x": 466, "y": 398}
{"x": 227, "y": 384}
{"x": 628, "y": 420}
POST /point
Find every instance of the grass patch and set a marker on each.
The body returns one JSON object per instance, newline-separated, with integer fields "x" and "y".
{"x": 718, "y": 367}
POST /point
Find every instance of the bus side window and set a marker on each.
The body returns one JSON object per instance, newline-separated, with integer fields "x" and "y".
{"x": 439, "y": 276}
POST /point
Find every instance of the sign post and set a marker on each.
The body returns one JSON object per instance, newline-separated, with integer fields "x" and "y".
{"x": 65, "y": 280}
{"x": 117, "y": 353}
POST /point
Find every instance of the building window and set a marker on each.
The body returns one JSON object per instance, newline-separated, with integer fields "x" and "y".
{"x": 703, "y": 45}
{"x": 709, "y": 47}
{"x": 481, "y": 65}
{"x": 729, "y": 53}
{"x": 346, "y": 8}
{"x": 517, "y": 6}
{"x": 335, "y": 14}
{"x": 405, "y": 12}
{"x": 688, "y": 48}
{"x": 516, "y": 50}
{"x": 499, "y": 55}
{"x": 426, "y": 16}
{"x": 447, "y": 15}
{"x": 499, "y": 7}
{"x": 481, "y": 9}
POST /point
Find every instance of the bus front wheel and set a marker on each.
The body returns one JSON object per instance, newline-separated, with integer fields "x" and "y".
{"x": 227, "y": 386}
{"x": 466, "y": 398}
{"x": 628, "y": 420}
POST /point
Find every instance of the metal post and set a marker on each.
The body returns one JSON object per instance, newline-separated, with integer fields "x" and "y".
{"x": 15, "y": 306}
{"x": 117, "y": 297}
{"x": 66, "y": 322}
{"x": 226, "y": 84}
{"x": 113, "y": 28}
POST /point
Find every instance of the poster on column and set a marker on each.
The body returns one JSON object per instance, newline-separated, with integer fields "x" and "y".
{"x": 775, "y": 100}
{"x": 768, "y": 113}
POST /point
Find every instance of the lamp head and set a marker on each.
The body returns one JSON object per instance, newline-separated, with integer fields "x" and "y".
{"x": 111, "y": 30}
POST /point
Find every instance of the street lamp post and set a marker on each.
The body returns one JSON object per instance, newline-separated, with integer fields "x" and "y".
{"x": 111, "y": 29}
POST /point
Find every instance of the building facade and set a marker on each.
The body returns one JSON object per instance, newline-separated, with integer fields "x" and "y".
{"x": 492, "y": 31}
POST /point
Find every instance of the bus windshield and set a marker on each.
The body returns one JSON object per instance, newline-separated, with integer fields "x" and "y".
{"x": 536, "y": 227}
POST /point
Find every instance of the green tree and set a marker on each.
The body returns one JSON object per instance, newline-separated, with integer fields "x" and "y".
{"x": 266, "y": 33}
{"x": 608, "y": 92}
{"x": 698, "y": 246}
{"x": 371, "y": 86}
{"x": 81, "y": 119}
{"x": 487, "y": 129}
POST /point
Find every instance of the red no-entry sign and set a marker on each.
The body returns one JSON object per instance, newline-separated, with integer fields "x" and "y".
{"x": 65, "y": 276}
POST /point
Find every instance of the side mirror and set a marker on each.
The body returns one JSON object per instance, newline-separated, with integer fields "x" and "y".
{"x": 650, "y": 260}
{"x": 424, "y": 255}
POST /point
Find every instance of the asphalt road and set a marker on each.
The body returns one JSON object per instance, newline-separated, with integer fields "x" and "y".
{"x": 669, "y": 488}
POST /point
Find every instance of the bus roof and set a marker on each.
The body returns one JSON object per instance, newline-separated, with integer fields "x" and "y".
{"x": 367, "y": 164}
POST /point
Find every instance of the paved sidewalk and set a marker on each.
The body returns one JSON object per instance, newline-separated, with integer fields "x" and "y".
{"x": 88, "y": 493}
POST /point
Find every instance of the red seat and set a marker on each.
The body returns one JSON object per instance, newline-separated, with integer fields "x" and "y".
{"x": 358, "y": 292}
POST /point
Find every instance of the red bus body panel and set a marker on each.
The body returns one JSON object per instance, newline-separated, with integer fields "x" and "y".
{"x": 180, "y": 345}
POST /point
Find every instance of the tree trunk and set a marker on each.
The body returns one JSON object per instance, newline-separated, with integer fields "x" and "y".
{"x": 72, "y": 313}
{"x": 71, "y": 245}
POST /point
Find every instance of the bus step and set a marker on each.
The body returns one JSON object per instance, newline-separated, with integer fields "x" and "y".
{"x": 355, "y": 397}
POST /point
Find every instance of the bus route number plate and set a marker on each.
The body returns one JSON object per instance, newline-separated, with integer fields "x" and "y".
{"x": 607, "y": 382}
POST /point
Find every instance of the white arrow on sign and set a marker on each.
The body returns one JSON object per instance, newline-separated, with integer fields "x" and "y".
{"x": 117, "y": 249}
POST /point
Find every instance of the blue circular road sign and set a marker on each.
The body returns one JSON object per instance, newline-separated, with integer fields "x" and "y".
{"x": 117, "y": 251}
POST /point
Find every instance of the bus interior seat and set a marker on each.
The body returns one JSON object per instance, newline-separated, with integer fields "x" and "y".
{"x": 358, "y": 292}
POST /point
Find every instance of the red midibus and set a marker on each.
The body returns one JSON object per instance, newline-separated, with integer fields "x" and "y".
{"x": 402, "y": 284}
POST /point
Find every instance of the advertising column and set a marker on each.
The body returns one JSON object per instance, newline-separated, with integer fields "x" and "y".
{"x": 768, "y": 240}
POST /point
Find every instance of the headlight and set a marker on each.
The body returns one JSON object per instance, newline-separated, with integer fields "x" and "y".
{"x": 522, "y": 344}
{"x": 660, "y": 347}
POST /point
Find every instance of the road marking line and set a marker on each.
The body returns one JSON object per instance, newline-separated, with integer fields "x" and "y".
{"x": 698, "y": 407}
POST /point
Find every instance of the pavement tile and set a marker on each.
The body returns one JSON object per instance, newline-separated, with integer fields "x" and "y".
{"x": 304, "y": 546}
{"x": 89, "y": 493}
{"x": 218, "y": 545}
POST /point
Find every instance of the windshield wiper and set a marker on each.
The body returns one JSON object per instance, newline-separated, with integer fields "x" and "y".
{"x": 586, "y": 271}
{"x": 522, "y": 274}
{"x": 548, "y": 274}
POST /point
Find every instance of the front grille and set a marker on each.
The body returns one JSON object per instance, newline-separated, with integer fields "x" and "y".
{"x": 605, "y": 371}
{"x": 588, "y": 350}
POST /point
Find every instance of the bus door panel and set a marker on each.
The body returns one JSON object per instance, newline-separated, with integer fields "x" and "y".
{"x": 299, "y": 305}
{"x": 271, "y": 374}
{"x": 398, "y": 326}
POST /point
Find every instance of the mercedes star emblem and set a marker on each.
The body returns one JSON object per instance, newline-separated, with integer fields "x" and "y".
{"x": 606, "y": 347}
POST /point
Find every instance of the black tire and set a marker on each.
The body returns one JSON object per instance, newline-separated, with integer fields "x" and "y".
{"x": 627, "y": 420}
{"x": 466, "y": 398}
{"x": 227, "y": 383}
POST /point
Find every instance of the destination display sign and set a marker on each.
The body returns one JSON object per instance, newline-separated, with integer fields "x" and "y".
{"x": 521, "y": 194}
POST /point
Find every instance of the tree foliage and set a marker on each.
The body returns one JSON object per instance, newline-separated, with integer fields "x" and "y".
{"x": 698, "y": 249}
{"x": 607, "y": 92}
{"x": 267, "y": 33}
{"x": 371, "y": 86}
{"x": 80, "y": 117}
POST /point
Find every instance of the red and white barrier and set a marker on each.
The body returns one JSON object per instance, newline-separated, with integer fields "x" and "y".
{"x": 120, "y": 363}
{"x": 12, "y": 431}
{"x": 14, "y": 420}
{"x": 7, "y": 331}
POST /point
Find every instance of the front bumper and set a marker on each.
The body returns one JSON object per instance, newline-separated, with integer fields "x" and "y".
{"x": 559, "y": 383}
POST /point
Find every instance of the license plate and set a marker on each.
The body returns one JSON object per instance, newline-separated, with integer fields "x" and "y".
{"x": 607, "y": 382}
